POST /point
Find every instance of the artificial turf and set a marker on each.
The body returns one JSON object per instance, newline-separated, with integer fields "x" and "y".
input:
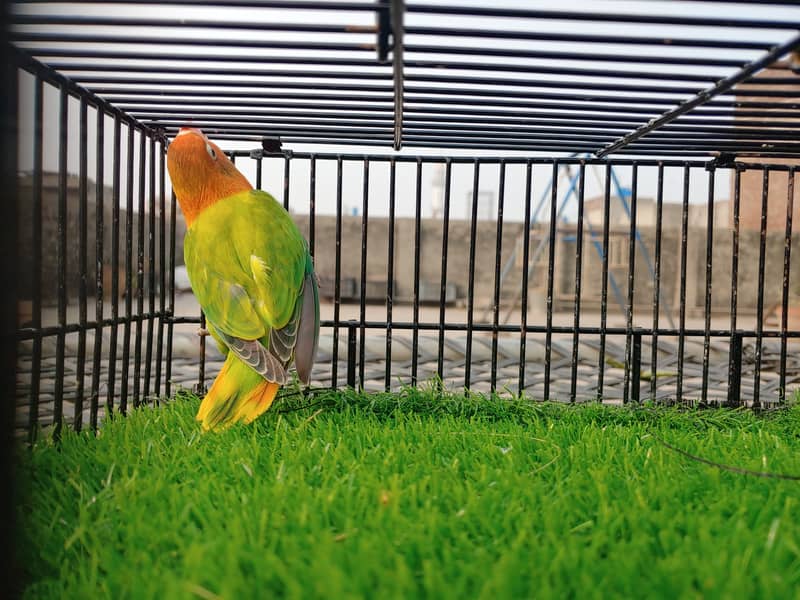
{"x": 417, "y": 494}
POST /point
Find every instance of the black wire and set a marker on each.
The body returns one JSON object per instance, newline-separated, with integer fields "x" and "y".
{"x": 730, "y": 468}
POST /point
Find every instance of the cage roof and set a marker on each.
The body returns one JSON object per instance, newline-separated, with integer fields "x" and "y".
{"x": 680, "y": 78}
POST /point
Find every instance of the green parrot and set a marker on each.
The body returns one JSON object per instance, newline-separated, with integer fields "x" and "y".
{"x": 251, "y": 272}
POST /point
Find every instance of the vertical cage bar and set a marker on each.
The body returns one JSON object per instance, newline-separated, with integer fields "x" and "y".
{"x": 397, "y": 12}
{"x": 337, "y": 283}
{"x": 99, "y": 266}
{"x": 601, "y": 359}
{"x": 137, "y": 359}
{"x": 578, "y": 273}
{"x": 362, "y": 308}
{"x": 762, "y": 247}
{"x": 312, "y": 203}
{"x": 709, "y": 273}
{"x": 10, "y": 135}
{"x": 787, "y": 258}
{"x": 473, "y": 230}
{"x": 126, "y": 332}
{"x": 259, "y": 170}
{"x": 415, "y": 306}
{"x": 286, "y": 167}
{"x": 83, "y": 252}
{"x": 443, "y": 280}
{"x": 636, "y": 367}
{"x": 173, "y": 210}
{"x": 526, "y": 247}
{"x": 551, "y": 261}
{"x": 351, "y": 354}
{"x": 201, "y": 369}
{"x": 390, "y": 274}
{"x": 629, "y": 362}
{"x": 312, "y": 206}
{"x": 63, "y": 142}
{"x": 735, "y": 369}
{"x": 657, "y": 282}
{"x": 682, "y": 308}
{"x": 151, "y": 266}
{"x": 36, "y": 250}
{"x": 735, "y": 358}
{"x": 497, "y": 281}
{"x": 115, "y": 197}
{"x": 162, "y": 278}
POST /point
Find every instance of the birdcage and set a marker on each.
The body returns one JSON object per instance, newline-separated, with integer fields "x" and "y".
{"x": 572, "y": 203}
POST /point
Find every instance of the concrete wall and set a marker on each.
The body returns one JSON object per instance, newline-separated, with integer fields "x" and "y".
{"x": 485, "y": 256}
{"x": 430, "y": 234}
{"x": 50, "y": 240}
{"x": 430, "y": 252}
{"x": 696, "y": 248}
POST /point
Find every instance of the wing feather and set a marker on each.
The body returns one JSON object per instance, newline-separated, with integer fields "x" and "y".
{"x": 250, "y": 269}
{"x": 254, "y": 354}
{"x": 282, "y": 341}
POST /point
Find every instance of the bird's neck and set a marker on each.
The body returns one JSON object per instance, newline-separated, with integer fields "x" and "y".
{"x": 193, "y": 204}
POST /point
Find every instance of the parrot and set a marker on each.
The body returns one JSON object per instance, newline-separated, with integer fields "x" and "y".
{"x": 251, "y": 271}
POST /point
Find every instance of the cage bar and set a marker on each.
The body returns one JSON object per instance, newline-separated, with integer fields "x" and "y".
{"x": 601, "y": 363}
{"x": 762, "y": 252}
{"x": 36, "y": 248}
{"x": 390, "y": 272}
{"x": 362, "y": 295}
{"x": 58, "y": 394}
{"x": 787, "y": 256}
{"x": 99, "y": 263}
{"x": 162, "y": 252}
{"x": 578, "y": 275}
{"x": 657, "y": 282}
{"x": 497, "y": 272}
{"x": 682, "y": 293}
{"x": 551, "y": 258}
{"x": 471, "y": 280}
{"x": 526, "y": 243}
{"x": 137, "y": 356}
{"x": 115, "y": 232}
{"x": 417, "y": 255}
{"x": 530, "y": 94}
{"x": 448, "y": 174}
{"x": 337, "y": 299}
{"x": 709, "y": 280}
{"x": 631, "y": 363}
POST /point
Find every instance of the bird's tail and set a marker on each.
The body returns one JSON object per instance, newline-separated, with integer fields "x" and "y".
{"x": 237, "y": 394}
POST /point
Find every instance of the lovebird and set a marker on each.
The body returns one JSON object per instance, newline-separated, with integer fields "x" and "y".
{"x": 250, "y": 269}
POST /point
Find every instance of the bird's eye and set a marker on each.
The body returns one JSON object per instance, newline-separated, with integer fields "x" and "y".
{"x": 211, "y": 152}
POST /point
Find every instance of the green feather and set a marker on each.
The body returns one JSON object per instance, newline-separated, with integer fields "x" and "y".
{"x": 247, "y": 262}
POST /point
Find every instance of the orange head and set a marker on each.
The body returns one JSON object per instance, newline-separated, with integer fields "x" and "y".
{"x": 200, "y": 172}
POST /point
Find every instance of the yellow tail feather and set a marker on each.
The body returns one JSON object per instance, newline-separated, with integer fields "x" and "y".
{"x": 237, "y": 394}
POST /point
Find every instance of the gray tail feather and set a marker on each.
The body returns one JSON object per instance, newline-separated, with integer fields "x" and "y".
{"x": 305, "y": 350}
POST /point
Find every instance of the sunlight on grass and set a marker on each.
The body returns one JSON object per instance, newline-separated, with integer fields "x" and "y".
{"x": 412, "y": 495}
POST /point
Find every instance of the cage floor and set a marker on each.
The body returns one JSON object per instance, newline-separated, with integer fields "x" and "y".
{"x": 185, "y": 369}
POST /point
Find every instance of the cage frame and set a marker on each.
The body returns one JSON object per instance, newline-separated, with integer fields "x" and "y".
{"x": 639, "y": 145}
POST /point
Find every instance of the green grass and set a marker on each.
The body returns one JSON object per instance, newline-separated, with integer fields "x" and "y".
{"x": 415, "y": 495}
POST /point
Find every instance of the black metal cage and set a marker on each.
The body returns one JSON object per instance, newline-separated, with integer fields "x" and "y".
{"x": 597, "y": 205}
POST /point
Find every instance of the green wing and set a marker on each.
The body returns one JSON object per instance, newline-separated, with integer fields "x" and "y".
{"x": 249, "y": 268}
